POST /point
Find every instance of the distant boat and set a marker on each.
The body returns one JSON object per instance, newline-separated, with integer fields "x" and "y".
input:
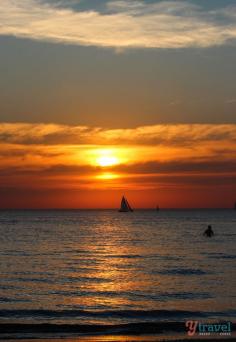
{"x": 157, "y": 208}
{"x": 124, "y": 205}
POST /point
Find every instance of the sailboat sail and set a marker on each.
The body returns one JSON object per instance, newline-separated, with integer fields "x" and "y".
{"x": 124, "y": 205}
{"x": 130, "y": 209}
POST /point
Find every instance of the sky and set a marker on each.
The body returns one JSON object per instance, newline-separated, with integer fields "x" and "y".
{"x": 104, "y": 98}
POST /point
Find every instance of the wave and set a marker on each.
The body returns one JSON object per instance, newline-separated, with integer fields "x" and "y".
{"x": 182, "y": 271}
{"x": 140, "y": 328}
{"x": 13, "y": 300}
{"x": 95, "y": 328}
{"x": 220, "y": 256}
{"x": 140, "y": 314}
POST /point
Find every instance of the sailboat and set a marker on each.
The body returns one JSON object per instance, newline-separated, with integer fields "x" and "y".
{"x": 157, "y": 208}
{"x": 124, "y": 205}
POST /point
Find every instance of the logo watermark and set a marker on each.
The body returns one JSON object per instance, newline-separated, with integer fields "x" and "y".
{"x": 196, "y": 327}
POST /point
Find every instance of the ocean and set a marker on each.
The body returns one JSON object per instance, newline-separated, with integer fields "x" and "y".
{"x": 101, "y": 268}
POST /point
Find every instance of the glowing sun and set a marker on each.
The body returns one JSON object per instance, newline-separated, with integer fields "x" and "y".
{"x": 107, "y": 160}
{"x": 106, "y": 157}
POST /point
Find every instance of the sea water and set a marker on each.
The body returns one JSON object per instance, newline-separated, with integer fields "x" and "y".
{"x": 106, "y": 267}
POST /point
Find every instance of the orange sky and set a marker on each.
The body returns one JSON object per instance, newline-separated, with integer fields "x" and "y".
{"x": 59, "y": 166}
{"x": 104, "y": 98}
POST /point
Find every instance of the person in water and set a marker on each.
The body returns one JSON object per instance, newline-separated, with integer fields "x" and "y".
{"x": 209, "y": 232}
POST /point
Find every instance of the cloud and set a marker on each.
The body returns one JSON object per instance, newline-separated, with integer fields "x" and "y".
{"x": 40, "y": 161}
{"x": 151, "y": 169}
{"x": 25, "y": 133}
{"x": 168, "y": 134}
{"x": 60, "y": 149}
{"x": 74, "y": 178}
{"x": 180, "y": 166}
{"x": 124, "y": 24}
{"x": 230, "y": 101}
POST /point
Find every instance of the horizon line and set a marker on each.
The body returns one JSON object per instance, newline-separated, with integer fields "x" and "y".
{"x": 135, "y": 209}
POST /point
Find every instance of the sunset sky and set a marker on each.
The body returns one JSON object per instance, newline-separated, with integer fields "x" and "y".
{"x": 104, "y": 98}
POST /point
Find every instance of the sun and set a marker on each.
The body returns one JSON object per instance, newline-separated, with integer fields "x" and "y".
{"x": 107, "y": 160}
{"x": 106, "y": 157}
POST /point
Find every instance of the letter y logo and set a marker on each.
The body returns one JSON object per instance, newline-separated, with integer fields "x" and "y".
{"x": 192, "y": 326}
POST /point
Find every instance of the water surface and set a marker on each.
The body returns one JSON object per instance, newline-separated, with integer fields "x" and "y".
{"x": 106, "y": 267}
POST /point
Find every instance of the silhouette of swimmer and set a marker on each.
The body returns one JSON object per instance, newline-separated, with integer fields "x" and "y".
{"x": 209, "y": 232}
